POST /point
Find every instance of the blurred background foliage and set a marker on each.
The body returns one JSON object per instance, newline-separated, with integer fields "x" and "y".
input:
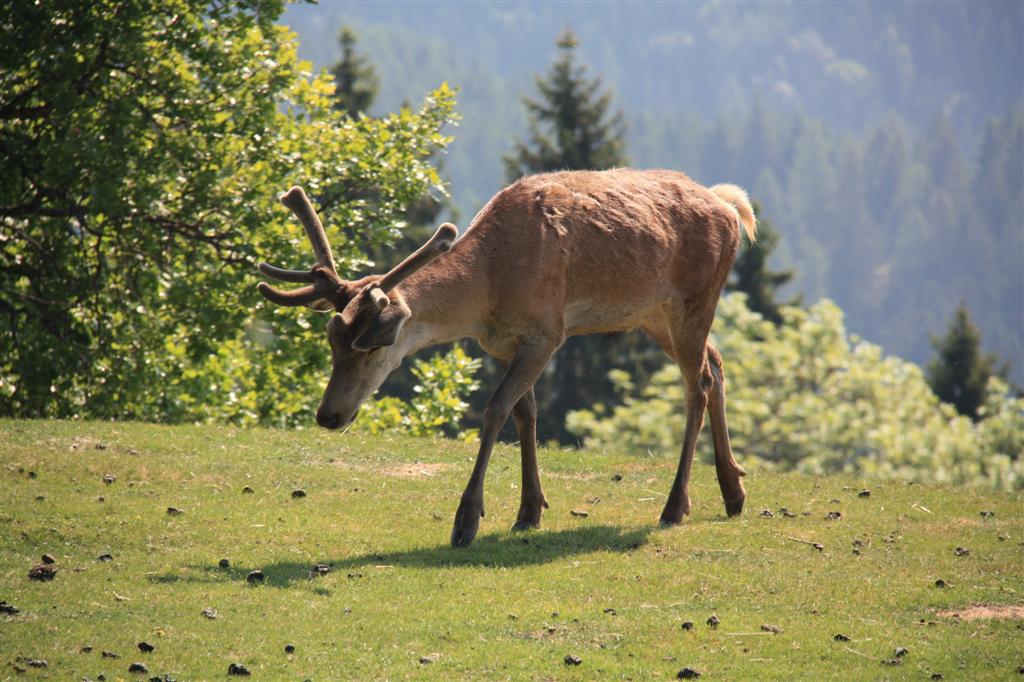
{"x": 884, "y": 140}
{"x": 806, "y": 395}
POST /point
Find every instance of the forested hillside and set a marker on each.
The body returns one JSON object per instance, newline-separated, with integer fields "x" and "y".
{"x": 883, "y": 140}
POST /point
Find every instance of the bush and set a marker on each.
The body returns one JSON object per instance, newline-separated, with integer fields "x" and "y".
{"x": 806, "y": 396}
{"x": 442, "y": 384}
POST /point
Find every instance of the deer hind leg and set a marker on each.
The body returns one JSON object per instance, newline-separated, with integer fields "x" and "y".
{"x": 689, "y": 335}
{"x": 532, "y": 500}
{"x": 729, "y": 472}
{"x": 519, "y": 378}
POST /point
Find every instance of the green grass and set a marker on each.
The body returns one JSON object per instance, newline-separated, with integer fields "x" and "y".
{"x": 379, "y": 509}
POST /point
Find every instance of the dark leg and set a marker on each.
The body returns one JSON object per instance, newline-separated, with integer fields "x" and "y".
{"x": 728, "y": 470}
{"x": 689, "y": 337}
{"x": 522, "y": 372}
{"x": 532, "y": 500}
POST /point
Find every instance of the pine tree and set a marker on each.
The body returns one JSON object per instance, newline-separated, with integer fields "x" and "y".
{"x": 355, "y": 78}
{"x": 750, "y": 273}
{"x": 959, "y": 371}
{"x": 580, "y": 133}
{"x": 572, "y": 128}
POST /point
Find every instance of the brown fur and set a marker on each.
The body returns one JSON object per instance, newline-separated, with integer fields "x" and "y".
{"x": 557, "y": 255}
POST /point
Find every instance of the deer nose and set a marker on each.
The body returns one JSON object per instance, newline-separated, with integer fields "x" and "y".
{"x": 328, "y": 420}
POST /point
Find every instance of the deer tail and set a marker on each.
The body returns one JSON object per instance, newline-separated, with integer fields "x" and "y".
{"x": 737, "y": 199}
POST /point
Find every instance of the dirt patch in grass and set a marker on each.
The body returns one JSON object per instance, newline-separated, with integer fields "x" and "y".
{"x": 984, "y": 612}
{"x": 415, "y": 469}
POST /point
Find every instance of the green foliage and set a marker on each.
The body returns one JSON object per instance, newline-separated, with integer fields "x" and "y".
{"x": 581, "y": 134}
{"x": 151, "y": 142}
{"x": 354, "y": 76}
{"x": 442, "y": 384}
{"x": 750, "y": 273}
{"x": 805, "y": 396}
{"x": 959, "y": 373}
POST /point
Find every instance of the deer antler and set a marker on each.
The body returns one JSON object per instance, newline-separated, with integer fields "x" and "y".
{"x": 436, "y": 246}
{"x": 323, "y": 278}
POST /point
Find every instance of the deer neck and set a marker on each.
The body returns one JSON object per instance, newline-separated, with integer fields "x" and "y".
{"x": 445, "y": 302}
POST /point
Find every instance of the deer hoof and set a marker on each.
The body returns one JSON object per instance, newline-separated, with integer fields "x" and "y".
{"x": 526, "y": 524}
{"x": 734, "y": 508}
{"x": 467, "y": 523}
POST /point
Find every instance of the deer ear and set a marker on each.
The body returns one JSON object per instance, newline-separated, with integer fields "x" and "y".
{"x": 321, "y": 305}
{"x": 384, "y": 329}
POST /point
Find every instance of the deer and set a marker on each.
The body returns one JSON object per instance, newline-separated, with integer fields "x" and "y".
{"x": 551, "y": 256}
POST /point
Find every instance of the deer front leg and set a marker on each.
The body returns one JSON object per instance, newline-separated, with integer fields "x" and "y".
{"x": 522, "y": 372}
{"x": 532, "y": 499}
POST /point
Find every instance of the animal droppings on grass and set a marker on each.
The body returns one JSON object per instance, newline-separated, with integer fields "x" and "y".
{"x": 833, "y": 516}
{"x": 687, "y": 674}
{"x": 610, "y": 611}
{"x": 786, "y": 513}
{"x": 255, "y": 577}
{"x": 616, "y": 478}
{"x": 9, "y": 609}
{"x": 110, "y": 654}
{"x": 298, "y": 493}
{"x": 174, "y": 511}
{"x": 572, "y": 659}
{"x": 87, "y": 649}
{"x": 318, "y": 570}
{"x": 987, "y": 514}
{"x": 224, "y": 563}
{"x": 774, "y": 629}
{"x": 105, "y": 557}
{"x": 238, "y": 669}
{"x": 841, "y": 638}
{"x": 961, "y": 551}
{"x": 145, "y": 647}
{"x": 289, "y": 648}
{"x": 713, "y": 621}
{"x": 40, "y": 498}
{"x": 427, "y": 659}
{"x": 892, "y": 661}
{"x": 138, "y": 668}
{"x": 109, "y": 478}
{"x": 48, "y": 559}
{"x": 247, "y": 490}
{"x": 580, "y": 513}
{"x": 42, "y": 572}
{"x": 940, "y": 583}
{"x": 937, "y": 676}
{"x": 687, "y": 625}
{"x": 766, "y": 514}
{"x": 901, "y": 651}
{"x": 210, "y": 613}
{"x": 864, "y": 493}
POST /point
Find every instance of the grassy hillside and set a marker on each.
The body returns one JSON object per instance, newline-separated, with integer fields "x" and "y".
{"x": 609, "y": 588}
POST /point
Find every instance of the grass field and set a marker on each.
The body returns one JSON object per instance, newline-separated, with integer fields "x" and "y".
{"x": 610, "y": 588}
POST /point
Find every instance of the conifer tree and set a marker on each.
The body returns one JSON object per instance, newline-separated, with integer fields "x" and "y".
{"x": 571, "y": 127}
{"x": 959, "y": 371}
{"x": 355, "y": 78}
{"x": 750, "y": 273}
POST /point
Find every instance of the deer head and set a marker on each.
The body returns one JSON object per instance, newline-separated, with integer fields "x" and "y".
{"x": 369, "y": 312}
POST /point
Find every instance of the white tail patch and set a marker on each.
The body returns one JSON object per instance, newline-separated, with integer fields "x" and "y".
{"x": 737, "y": 199}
